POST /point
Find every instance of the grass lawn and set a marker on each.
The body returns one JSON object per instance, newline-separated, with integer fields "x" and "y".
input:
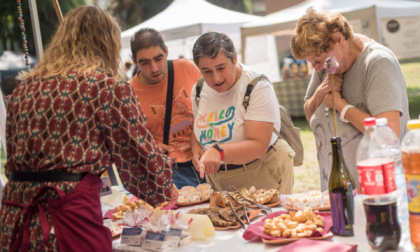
{"x": 307, "y": 175}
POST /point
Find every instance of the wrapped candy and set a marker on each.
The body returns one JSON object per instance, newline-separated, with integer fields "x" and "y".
{"x": 176, "y": 220}
{"x": 137, "y": 218}
{"x": 157, "y": 229}
{"x": 157, "y": 224}
{"x": 331, "y": 64}
{"x": 176, "y": 235}
{"x": 132, "y": 233}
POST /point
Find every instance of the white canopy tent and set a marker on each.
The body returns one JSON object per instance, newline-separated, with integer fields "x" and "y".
{"x": 394, "y": 23}
{"x": 183, "y": 21}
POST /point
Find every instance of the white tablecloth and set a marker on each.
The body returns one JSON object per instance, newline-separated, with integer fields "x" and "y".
{"x": 231, "y": 240}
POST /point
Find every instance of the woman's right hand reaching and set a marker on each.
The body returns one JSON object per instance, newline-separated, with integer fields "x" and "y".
{"x": 197, "y": 153}
{"x": 209, "y": 162}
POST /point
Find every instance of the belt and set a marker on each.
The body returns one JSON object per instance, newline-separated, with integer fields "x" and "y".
{"x": 50, "y": 176}
{"x": 188, "y": 163}
{"x": 229, "y": 167}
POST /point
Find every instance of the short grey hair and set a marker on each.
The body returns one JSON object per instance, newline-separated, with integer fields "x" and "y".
{"x": 211, "y": 44}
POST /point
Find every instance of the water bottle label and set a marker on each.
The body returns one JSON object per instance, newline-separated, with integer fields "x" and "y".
{"x": 389, "y": 177}
{"x": 413, "y": 186}
{"x": 376, "y": 176}
{"x": 371, "y": 179}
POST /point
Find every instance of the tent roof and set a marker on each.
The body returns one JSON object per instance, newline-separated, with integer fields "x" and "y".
{"x": 184, "y": 18}
{"x": 385, "y": 8}
{"x": 14, "y": 61}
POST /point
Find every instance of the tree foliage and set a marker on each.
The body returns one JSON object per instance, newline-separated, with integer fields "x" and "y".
{"x": 134, "y": 12}
{"x": 10, "y": 32}
{"x": 236, "y": 5}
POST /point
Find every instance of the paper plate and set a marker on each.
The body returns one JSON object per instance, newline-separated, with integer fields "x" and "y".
{"x": 192, "y": 203}
{"x": 288, "y": 240}
{"x": 252, "y": 215}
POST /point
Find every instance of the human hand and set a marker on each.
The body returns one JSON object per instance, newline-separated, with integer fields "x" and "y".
{"x": 164, "y": 148}
{"x": 197, "y": 153}
{"x": 325, "y": 87}
{"x": 209, "y": 162}
{"x": 175, "y": 195}
{"x": 328, "y": 100}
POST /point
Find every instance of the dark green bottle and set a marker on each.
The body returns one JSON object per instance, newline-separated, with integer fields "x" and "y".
{"x": 342, "y": 189}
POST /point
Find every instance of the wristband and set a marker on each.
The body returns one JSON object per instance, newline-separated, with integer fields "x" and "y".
{"x": 220, "y": 150}
{"x": 344, "y": 111}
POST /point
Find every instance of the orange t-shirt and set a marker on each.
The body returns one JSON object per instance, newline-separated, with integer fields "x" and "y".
{"x": 153, "y": 101}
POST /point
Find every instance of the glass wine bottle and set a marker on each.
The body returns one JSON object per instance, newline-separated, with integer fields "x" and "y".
{"x": 342, "y": 188}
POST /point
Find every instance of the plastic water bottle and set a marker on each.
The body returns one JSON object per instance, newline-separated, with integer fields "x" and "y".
{"x": 385, "y": 144}
{"x": 410, "y": 150}
{"x": 363, "y": 156}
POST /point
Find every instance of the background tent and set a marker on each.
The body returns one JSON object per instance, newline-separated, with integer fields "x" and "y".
{"x": 183, "y": 21}
{"x": 395, "y": 24}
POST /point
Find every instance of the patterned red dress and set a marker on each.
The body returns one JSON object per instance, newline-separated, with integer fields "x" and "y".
{"x": 79, "y": 124}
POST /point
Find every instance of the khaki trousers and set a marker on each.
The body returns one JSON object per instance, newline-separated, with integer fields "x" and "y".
{"x": 273, "y": 171}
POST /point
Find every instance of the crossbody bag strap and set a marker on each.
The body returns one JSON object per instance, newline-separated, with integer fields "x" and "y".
{"x": 248, "y": 91}
{"x": 169, "y": 97}
{"x": 198, "y": 88}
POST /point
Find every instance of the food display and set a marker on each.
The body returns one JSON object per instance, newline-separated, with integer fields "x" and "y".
{"x": 295, "y": 224}
{"x": 315, "y": 199}
{"x": 275, "y": 226}
{"x": 189, "y": 195}
{"x": 129, "y": 206}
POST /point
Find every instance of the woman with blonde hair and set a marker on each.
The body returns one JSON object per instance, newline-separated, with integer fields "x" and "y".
{"x": 368, "y": 82}
{"x": 67, "y": 121}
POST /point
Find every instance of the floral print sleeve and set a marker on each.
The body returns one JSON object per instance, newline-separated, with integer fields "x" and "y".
{"x": 144, "y": 170}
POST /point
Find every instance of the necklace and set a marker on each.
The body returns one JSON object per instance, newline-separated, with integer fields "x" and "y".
{"x": 23, "y": 32}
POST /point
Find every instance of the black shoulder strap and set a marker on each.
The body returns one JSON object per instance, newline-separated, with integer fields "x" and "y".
{"x": 250, "y": 87}
{"x": 198, "y": 88}
{"x": 169, "y": 96}
{"x": 248, "y": 91}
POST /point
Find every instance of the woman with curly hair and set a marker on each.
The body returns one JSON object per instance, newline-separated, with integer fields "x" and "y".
{"x": 368, "y": 82}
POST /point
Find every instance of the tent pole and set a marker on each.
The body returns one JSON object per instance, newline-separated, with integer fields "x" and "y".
{"x": 35, "y": 27}
{"x": 58, "y": 11}
{"x": 243, "y": 42}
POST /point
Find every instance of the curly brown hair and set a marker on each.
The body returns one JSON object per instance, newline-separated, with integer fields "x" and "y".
{"x": 314, "y": 30}
{"x": 88, "y": 39}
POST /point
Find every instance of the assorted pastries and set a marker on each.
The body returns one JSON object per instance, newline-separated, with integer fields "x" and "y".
{"x": 220, "y": 217}
{"x": 295, "y": 224}
{"x": 191, "y": 194}
{"x": 313, "y": 199}
{"x": 129, "y": 206}
{"x": 261, "y": 196}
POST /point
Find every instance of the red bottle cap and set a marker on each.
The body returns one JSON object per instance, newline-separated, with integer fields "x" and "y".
{"x": 370, "y": 121}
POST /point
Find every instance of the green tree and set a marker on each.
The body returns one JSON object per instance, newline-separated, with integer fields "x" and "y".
{"x": 236, "y": 5}
{"x": 133, "y": 12}
{"x": 10, "y": 32}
